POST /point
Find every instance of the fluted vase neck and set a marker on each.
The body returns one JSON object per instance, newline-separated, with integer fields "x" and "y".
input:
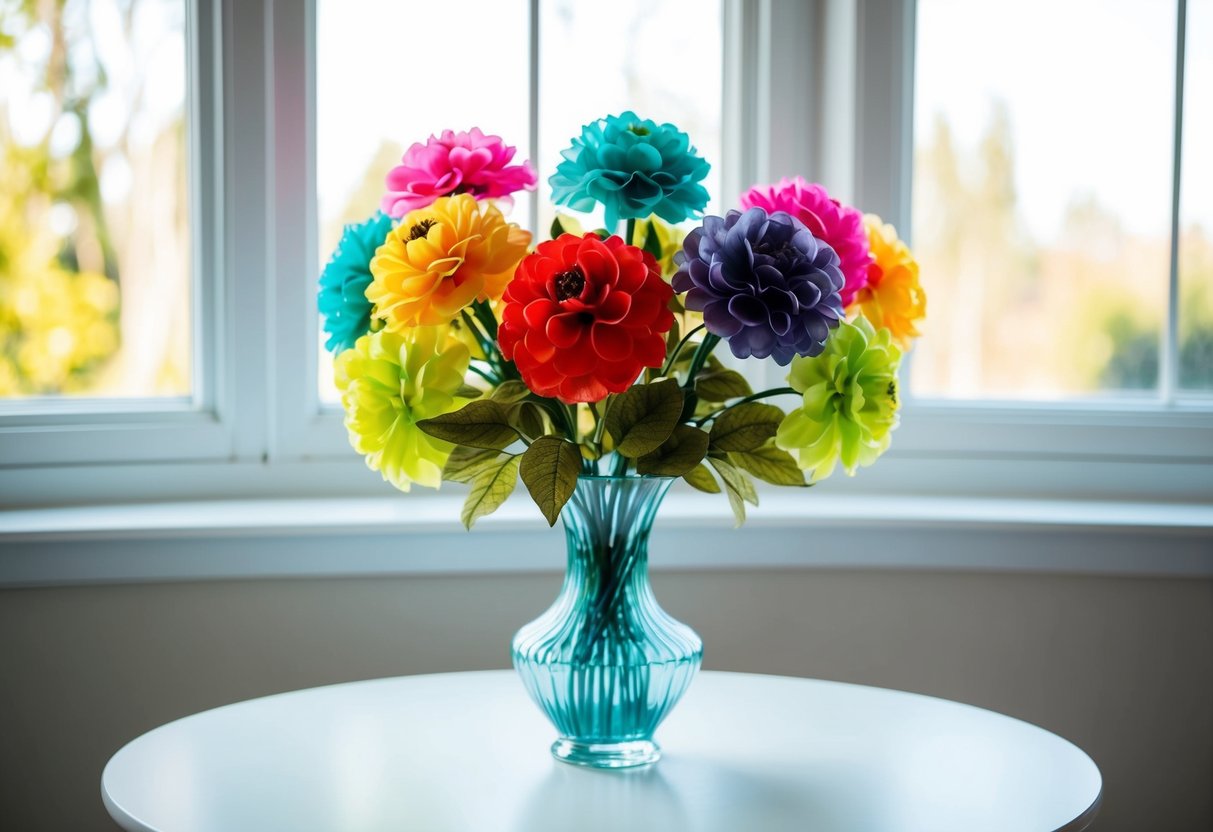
{"x": 605, "y": 662}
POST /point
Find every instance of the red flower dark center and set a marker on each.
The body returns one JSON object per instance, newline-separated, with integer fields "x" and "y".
{"x": 421, "y": 229}
{"x": 570, "y": 284}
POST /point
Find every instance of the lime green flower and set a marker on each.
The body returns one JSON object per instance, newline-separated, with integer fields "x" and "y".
{"x": 389, "y": 382}
{"x": 850, "y": 401}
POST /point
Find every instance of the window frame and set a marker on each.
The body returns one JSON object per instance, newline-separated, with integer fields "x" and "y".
{"x": 256, "y": 426}
{"x": 1163, "y": 431}
{"x": 204, "y": 425}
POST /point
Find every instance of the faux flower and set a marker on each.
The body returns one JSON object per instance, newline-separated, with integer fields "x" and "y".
{"x": 440, "y": 259}
{"x": 827, "y": 219}
{"x": 634, "y": 167}
{"x": 583, "y": 317}
{"x": 668, "y": 238}
{"x": 388, "y": 383}
{"x": 342, "y": 299}
{"x": 893, "y": 298}
{"x": 763, "y": 282}
{"x": 455, "y": 163}
{"x": 850, "y": 404}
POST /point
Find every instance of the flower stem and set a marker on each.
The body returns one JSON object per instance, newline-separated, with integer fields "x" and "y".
{"x": 484, "y": 374}
{"x": 484, "y": 314}
{"x": 678, "y": 349}
{"x": 765, "y": 394}
{"x": 702, "y": 352}
{"x": 631, "y": 231}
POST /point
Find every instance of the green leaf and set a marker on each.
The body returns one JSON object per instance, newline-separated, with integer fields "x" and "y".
{"x": 651, "y": 244}
{"x": 479, "y": 424}
{"x": 549, "y": 470}
{"x": 745, "y": 426}
{"x": 490, "y": 489}
{"x": 510, "y": 391}
{"x": 602, "y": 233}
{"x": 557, "y": 229}
{"x": 465, "y": 464}
{"x": 678, "y": 455}
{"x": 644, "y": 416}
{"x": 467, "y": 391}
{"x": 701, "y": 478}
{"x": 769, "y": 464}
{"x": 721, "y": 386}
{"x": 737, "y": 487}
{"x": 528, "y": 418}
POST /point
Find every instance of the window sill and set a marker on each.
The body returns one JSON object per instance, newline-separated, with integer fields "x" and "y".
{"x": 421, "y": 535}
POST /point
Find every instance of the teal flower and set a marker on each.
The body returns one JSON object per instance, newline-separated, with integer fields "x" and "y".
{"x": 342, "y": 297}
{"x": 635, "y": 168}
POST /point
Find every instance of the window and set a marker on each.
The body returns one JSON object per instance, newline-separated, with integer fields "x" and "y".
{"x": 276, "y": 122}
{"x": 1043, "y": 182}
{"x": 589, "y": 64}
{"x": 95, "y": 270}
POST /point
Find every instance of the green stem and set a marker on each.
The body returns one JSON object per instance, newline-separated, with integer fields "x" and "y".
{"x": 678, "y": 349}
{"x": 484, "y": 374}
{"x": 484, "y": 314}
{"x": 702, "y": 352}
{"x": 621, "y": 465}
{"x": 559, "y": 414}
{"x": 486, "y": 346}
{"x": 765, "y": 394}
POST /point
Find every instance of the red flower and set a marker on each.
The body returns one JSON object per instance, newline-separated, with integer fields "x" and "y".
{"x": 584, "y": 316}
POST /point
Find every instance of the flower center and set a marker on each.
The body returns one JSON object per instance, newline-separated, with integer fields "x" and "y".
{"x": 638, "y": 130}
{"x": 782, "y": 253}
{"x": 421, "y": 229}
{"x": 570, "y": 284}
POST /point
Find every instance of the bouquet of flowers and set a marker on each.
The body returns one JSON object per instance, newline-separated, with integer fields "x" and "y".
{"x": 465, "y": 353}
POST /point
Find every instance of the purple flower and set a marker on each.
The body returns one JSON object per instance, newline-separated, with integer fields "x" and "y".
{"x": 763, "y": 282}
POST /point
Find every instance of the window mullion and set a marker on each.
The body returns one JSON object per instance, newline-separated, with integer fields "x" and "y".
{"x": 1169, "y": 371}
{"x": 533, "y": 104}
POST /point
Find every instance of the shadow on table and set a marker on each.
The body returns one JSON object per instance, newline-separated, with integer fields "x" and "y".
{"x": 695, "y": 794}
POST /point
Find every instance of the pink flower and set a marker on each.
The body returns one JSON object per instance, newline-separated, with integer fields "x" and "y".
{"x": 455, "y": 163}
{"x": 827, "y": 219}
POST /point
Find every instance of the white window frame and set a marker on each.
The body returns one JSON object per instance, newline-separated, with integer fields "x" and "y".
{"x": 819, "y": 88}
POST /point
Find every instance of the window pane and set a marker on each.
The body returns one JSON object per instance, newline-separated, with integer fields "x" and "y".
{"x": 363, "y": 125}
{"x": 1042, "y": 192}
{"x": 1196, "y": 204}
{"x": 591, "y": 64}
{"x": 94, "y": 223}
{"x": 658, "y": 58}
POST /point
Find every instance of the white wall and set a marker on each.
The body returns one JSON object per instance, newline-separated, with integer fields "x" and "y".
{"x": 1121, "y": 666}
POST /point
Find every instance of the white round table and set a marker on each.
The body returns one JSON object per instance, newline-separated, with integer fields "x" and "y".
{"x": 468, "y": 752}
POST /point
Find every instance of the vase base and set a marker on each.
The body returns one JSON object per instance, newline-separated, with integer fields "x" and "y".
{"x": 607, "y": 755}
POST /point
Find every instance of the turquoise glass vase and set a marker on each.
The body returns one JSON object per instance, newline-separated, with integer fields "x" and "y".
{"x": 605, "y": 662}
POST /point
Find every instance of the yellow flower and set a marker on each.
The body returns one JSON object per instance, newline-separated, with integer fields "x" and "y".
{"x": 440, "y": 259}
{"x": 669, "y": 238}
{"x": 388, "y": 383}
{"x": 893, "y": 299}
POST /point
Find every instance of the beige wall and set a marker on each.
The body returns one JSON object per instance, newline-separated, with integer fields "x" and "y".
{"x": 1121, "y": 666}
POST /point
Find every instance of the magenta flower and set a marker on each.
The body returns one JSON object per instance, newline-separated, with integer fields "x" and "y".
{"x": 827, "y": 219}
{"x": 455, "y": 163}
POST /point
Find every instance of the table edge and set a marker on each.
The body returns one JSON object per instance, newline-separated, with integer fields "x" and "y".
{"x": 132, "y": 824}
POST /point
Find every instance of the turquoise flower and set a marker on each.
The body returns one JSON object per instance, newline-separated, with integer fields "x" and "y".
{"x": 635, "y": 168}
{"x": 342, "y": 297}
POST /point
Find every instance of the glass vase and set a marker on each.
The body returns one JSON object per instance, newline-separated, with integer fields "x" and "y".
{"x": 605, "y": 662}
